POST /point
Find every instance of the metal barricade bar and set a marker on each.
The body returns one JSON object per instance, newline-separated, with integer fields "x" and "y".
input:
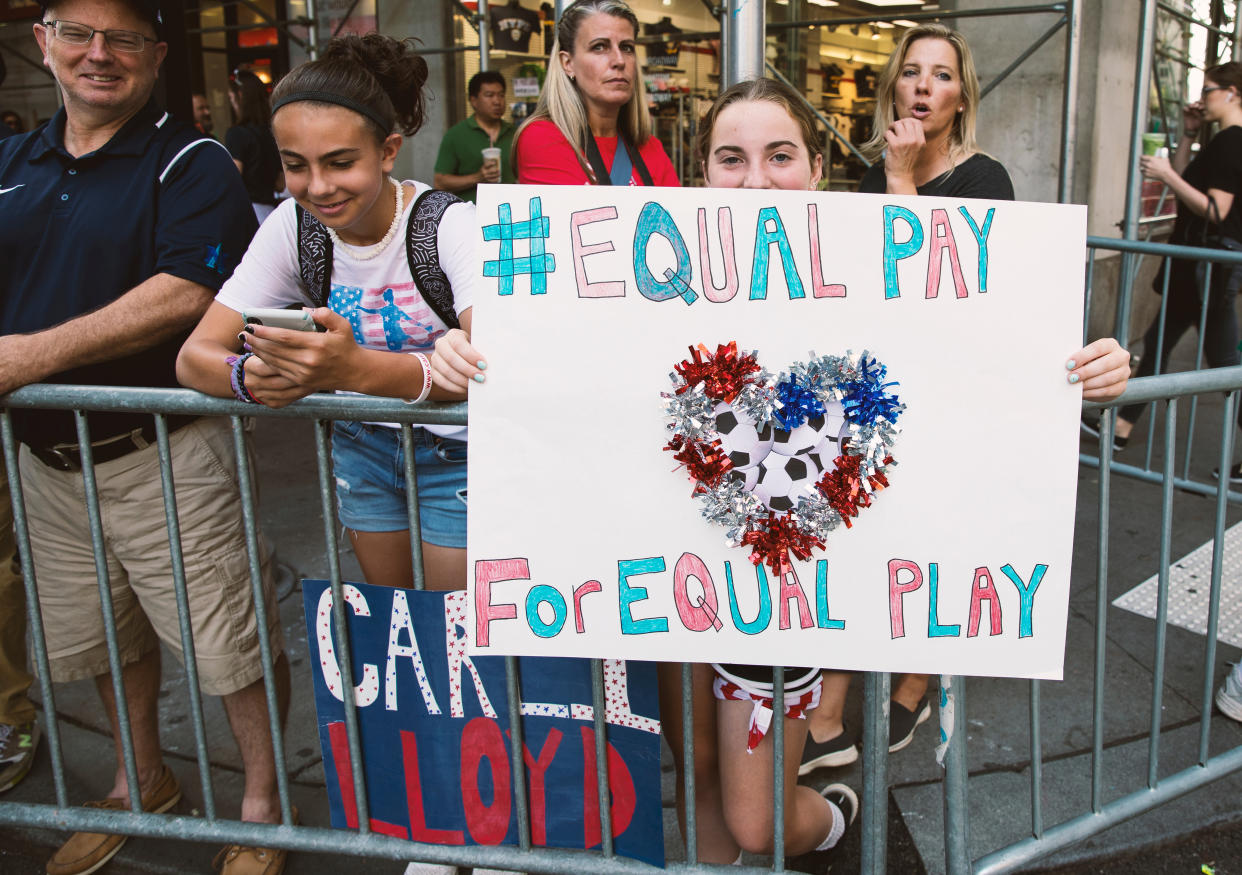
{"x": 1213, "y": 260}
{"x": 1155, "y": 790}
{"x": 183, "y": 616}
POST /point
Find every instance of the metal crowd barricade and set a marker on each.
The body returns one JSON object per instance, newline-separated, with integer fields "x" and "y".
{"x": 322, "y": 410}
{"x": 1157, "y": 790}
{"x": 1172, "y": 389}
{"x": 1131, "y": 251}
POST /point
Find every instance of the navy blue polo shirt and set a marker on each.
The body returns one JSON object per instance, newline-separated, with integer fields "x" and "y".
{"x": 77, "y": 233}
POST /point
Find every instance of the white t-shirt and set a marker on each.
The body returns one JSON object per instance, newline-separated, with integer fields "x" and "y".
{"x": 377, "y": 296}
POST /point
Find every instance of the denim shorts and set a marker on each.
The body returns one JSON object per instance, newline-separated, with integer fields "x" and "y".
{"x": 370, "y": 481}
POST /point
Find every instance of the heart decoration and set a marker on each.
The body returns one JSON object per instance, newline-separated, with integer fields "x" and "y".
{"x": 781, "y": 462}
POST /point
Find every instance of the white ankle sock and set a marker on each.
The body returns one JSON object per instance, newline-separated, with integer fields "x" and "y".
{"x": 838, "y": 828}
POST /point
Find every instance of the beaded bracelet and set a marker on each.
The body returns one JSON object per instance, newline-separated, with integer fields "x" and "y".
{"x": 237, "y": 378}
{"x": 422, "y": 396}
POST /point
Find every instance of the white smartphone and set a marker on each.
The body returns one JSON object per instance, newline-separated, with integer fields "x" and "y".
{"x": 294, "y": 320}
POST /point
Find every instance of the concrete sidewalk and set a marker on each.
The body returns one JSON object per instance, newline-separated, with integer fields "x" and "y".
{"x": 997, "y": 722}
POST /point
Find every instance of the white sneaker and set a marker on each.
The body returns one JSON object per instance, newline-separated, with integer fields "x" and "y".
{"x": 844, "y": 798}
{"x": 1229, "y": 696}
{"x": 429, "y": 869}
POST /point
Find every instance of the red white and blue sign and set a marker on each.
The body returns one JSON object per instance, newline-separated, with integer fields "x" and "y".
{"x": 434, "y": 724}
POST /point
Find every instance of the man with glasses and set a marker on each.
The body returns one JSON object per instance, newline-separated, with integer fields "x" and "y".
{"x": 117, "y": 226}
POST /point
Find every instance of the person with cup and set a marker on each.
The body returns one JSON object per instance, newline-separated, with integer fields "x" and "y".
{"x": 1209, "y": 214}
{"x": 477, "y": 150}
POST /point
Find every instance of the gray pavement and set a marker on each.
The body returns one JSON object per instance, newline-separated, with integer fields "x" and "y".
{"x": 997, "y": 722}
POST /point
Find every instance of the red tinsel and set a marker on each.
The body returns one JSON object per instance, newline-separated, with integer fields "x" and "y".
{"x": 775, "y": 539}
{"x": 706, "y": 463}
{"x": 723, "y": 375}
{"x": 843, "y": 488}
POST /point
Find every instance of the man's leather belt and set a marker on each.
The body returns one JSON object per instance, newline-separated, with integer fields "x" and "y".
{"x": 68, "y": 457}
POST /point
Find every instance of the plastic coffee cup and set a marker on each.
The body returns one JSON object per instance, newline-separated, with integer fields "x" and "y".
{"x": 1152, "y": 144}
{"x": 490, "y": 154}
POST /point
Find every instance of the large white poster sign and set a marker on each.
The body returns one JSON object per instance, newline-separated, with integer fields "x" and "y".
{"x": 585, "y": 537}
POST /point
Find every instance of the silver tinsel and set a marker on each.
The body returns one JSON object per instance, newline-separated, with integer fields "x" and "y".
{"x": 815, "y": 516}
{"x": 690, "y": 414}
{"x": 730, "y": 505}
{"x": 874, "y": 443}
{"x": 757, "y": 401}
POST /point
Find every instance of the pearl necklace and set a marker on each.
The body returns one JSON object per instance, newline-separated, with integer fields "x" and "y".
{"x": 359, "y": 253}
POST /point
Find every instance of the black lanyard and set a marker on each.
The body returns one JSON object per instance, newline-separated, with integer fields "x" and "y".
{"x": 603, "y": 176}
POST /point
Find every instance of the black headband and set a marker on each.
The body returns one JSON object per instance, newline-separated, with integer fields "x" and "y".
{"x": 339, "y": 100}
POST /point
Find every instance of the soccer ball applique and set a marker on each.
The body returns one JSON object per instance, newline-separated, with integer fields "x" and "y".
{"x": 781, "y": 463}
{"x": 745, "y": 443}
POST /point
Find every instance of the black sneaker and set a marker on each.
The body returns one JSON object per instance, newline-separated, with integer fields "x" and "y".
{"x": 838, "y": 751}
{"x": 902, "y": 722}
{"x": 1092, "y": 430}
{"x": 1235, "y": 474}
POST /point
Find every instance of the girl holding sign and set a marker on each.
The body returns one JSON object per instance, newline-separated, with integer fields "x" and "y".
{"x": 760, "y": 135}
{"x": 340, "y": 246}
{"x": 591, "y": 123}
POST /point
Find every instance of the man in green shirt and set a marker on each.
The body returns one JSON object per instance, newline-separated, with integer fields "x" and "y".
{"x": 459, "y": 165}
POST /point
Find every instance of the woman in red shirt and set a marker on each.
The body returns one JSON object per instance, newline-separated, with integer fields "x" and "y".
{"x": 592, "y": 104}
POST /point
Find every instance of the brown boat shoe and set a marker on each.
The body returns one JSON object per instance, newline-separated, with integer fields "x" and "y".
{"x": 86, "y": 852}
{"x": 245, "y": 860}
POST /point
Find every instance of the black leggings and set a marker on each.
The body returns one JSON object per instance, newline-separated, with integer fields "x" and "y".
{"x": 1220, "y": 334}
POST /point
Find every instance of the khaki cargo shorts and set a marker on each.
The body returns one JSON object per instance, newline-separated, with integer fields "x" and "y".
{"x": 139, "y": 563}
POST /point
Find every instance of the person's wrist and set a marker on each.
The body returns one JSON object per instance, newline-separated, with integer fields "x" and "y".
{"x": 237, "y": 378}
{"x": 426, "y": 381}
{"x": 900, "y": 178}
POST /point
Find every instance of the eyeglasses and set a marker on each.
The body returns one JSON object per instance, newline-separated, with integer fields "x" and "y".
{"x": 1208, "y": 89}
{"x": 80, "y": 34}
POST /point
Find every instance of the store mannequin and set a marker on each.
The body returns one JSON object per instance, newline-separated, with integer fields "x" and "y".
{"x": 864, "y": 81}
{"x": 512, "y": 27}
{"x": 832, "y": 79}
{"x": 667, "y": 53}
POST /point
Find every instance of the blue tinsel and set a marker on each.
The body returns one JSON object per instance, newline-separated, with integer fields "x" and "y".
{"x": 866, "y": 399}
{"x": 795, "y": 402}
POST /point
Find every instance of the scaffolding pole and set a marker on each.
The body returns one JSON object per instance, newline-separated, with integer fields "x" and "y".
{"x": 312, "y": 29}
{"x": 1069, "y": 103}
{"x": 743, "y": 29}
{"x": 1134, "y": 179}
{"x": 485, "y": 28}
{"x": 1236, "y": 52}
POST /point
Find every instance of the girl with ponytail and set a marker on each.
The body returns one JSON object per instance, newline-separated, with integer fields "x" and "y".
{"x": 339, "y": 246}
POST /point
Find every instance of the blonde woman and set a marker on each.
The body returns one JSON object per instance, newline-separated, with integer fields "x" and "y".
{"x": 591, "y": 124}
{"x": 923, "y": 138}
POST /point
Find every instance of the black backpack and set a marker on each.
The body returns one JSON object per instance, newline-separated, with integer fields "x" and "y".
{"x": 421, "y": 250}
